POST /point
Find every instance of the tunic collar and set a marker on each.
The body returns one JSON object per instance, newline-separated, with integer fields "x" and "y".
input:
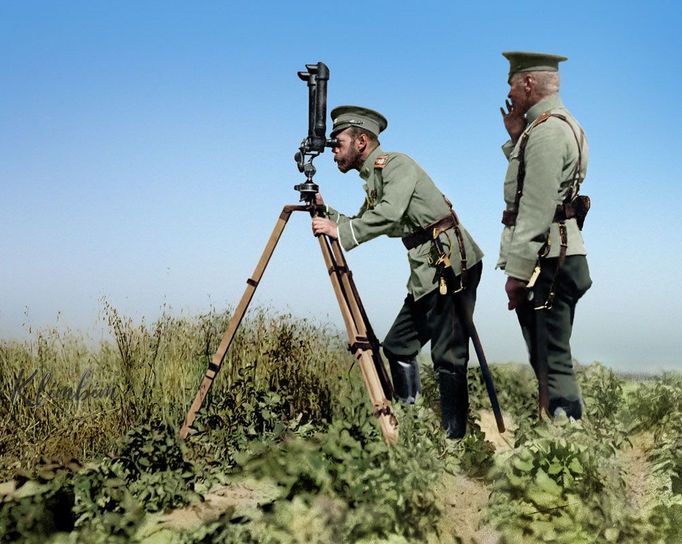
{"x": 368, "y": 165}
{"x": 550, "y": 102}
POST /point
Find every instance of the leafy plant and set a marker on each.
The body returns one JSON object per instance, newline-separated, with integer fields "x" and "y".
{"x": 656, "y": 404}
{"x": 377, "y": 490}
{"x": 602, "y": 392}
{"x": 153, "y": 464}
{"x": 565, "y": 485}
{"x": 37, "y": 508}
{"x": 103, "y": 505}
{"x": 666, "y": 456}
{"x": 604, "y": 402}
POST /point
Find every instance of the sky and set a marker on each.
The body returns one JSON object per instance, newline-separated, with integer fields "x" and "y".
{"x": 146, "y": 151}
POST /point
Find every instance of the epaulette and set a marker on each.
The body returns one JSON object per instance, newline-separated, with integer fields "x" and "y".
{"x": 538, "y": 121}
{"x": 380, "y": 161}
{"x": 542, "y": 118}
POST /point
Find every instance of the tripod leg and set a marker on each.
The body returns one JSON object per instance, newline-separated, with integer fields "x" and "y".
{"x": 356, "y": 327}
{"x": 360, "y": 316}
{"x": 252, "y": 284}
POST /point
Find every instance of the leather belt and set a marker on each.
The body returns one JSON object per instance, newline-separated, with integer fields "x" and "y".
{"x": 426, "y": 234}
{"x": 509, "y": 218}
{"x": 563, "y": 212}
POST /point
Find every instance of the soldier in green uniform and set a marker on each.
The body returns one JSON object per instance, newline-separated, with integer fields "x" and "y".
{"x": 445, "y": 263}
{"x": 542, "y": 250}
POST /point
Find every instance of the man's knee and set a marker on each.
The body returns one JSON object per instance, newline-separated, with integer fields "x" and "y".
{"x": 395, "y": 349}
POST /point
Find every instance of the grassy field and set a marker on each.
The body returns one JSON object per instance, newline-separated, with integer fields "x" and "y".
{"x": 286, "y": 450}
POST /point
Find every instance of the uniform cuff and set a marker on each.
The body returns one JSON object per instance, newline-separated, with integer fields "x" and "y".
{"x": 347, "y": 236}
{"x": 519, "y": 267}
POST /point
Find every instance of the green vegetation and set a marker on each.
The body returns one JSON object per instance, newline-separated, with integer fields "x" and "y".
{"x": 285, "y": 450}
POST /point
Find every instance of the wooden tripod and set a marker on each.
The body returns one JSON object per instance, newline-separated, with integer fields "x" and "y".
{"x": 361, "y": 339}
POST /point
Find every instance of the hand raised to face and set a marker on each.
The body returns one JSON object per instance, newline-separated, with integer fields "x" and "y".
{"x": 514, "y": 121}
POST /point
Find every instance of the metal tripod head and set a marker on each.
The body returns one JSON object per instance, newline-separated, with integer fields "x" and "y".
{"x": 312, "y": 145}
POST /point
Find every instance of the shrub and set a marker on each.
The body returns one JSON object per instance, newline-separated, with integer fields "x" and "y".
{"x": 375, "y": 490}
{"x": 564, "y": 485}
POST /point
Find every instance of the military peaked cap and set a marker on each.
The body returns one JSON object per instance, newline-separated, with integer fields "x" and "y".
{"x": 344, "y": 117}
{"x": 523, "y": 61}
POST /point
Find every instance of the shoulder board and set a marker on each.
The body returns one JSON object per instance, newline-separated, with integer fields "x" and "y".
{"x": 542, "y": 118}
{"x": 546, "y": 115}
{"x": 538, "y": 121}
{"x": 381, "y": 161}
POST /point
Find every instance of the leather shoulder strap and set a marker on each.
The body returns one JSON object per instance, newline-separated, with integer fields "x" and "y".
{"x": 521, "y": 174}
{"x": 577, "y": 178}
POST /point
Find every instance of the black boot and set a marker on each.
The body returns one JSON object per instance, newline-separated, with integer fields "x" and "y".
{"x": 406, "y": 383}
{"x": 454, "y": 402}
{"x": 571, "y": 408}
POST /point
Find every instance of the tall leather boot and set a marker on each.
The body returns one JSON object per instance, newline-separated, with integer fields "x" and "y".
{"x": 571, "y": 408}
{"x": 454, "y": 402}
{"x": 406, "y": 382}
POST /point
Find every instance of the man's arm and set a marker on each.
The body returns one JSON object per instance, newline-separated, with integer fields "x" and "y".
{"x": 338, "y": 217}
{"x": 328, "y": 225}
{"x": 399, "y": 179}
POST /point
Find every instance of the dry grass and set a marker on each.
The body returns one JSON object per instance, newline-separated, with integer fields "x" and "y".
{"x": 151, "y": 370}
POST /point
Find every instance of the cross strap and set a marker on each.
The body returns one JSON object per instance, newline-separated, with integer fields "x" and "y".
{"x": 576, "y": 178}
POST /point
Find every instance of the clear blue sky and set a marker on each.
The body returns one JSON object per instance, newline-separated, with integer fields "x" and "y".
{"x": 146, "y": 151}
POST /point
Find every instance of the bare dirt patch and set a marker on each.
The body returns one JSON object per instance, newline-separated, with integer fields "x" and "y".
{"x": 464, "y": 501}
{"x": 502, "y": 441}
{"x": 240, "y": 498}
{"x": 640, "y": 483}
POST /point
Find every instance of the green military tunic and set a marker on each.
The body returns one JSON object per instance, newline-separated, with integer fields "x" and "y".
{"x": 401, "y": 199}
{"x": 551, "y": 157}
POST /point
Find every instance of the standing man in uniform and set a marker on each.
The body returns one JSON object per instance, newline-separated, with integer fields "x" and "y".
{"x": 445, "y": 263}
{"x": 542, "y": 250}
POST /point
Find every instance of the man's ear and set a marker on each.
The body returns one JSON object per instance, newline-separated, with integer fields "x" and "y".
{"x": 363, "y": 141}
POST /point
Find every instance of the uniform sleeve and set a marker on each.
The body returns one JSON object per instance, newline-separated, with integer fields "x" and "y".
{"x": 340, "y": 218}
{"x": 399, "y": 180}
{"x": 544, "y": 160}
{"x": 345, "y": 240}
{"x": 507, "y": 148}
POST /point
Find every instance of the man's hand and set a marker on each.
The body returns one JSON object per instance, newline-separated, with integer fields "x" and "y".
{"x": 319, "y": 201}
{"x": 322, "y": 225}
{"x": 516, "y": 292}
{"x": 514, "y": 121}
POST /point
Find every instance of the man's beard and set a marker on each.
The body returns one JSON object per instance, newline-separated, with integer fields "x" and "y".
{"x": 351, "y": 161}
